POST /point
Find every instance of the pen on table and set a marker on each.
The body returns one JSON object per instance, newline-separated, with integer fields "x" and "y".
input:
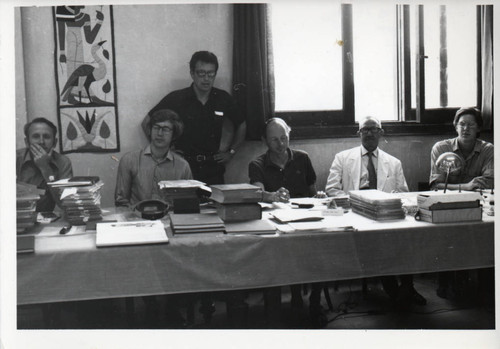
{"x": 303, "y": 205}
{"x": 132, "y": 225}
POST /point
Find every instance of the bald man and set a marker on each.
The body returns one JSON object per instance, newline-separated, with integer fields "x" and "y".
{"x": 368, "y": 167}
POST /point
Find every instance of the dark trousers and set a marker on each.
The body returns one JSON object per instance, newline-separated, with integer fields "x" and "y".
{"x": 209, "y": 171}
{"x": 391, "y": 286}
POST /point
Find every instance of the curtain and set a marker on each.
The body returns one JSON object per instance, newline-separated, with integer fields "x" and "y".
{"x": 487, "y": 65}
{"x": 253, "y": 78}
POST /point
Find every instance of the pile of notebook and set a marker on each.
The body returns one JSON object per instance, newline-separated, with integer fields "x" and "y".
{"x": 452, "y": 206}
{"x": 80, "y": 198}
{"x": 376, "y": 204}
{"x": 27, "y": 198}
{"x": 188, "y": 223}
{"x": 183, "y": 194}
{"x": 237, "y": 202}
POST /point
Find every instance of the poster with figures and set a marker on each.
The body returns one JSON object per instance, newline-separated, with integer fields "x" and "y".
{"x": 85, "y": 79}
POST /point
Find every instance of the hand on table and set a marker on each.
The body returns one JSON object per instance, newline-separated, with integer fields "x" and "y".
{"x": 281, "y": 195}
{"x": 320, "y": 195}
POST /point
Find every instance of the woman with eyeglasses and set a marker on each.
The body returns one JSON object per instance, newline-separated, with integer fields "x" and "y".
{"x": 478, "y": 169}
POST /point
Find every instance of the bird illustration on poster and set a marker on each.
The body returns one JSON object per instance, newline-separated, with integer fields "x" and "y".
{"x": 85, "y": 78}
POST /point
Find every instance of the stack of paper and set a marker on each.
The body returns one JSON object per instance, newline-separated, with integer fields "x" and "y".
{"x": 80, "y": 199}
{"x": 27, "y": 197}
{"x": 376, "y": 204}
{"x": 183, "y": 194}
{"x": 188, "y": 223}
{"x": 130, "y": 233}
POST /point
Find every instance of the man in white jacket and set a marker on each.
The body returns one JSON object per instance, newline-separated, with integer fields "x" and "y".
{"x": 368, "y": 167}
{"x": 349, "y": 170}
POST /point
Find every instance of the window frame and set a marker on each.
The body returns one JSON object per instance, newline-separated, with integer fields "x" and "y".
{"x": 412, "y": 121}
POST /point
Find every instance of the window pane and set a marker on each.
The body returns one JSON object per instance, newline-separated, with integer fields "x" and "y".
{"x": 307, "y": 58}
{"x": 454, "y": 72}
{"x": 374, "y": 55}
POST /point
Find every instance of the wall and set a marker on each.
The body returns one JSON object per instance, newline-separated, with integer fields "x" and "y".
{"x": 414, "y": 153}
{"x": 153, "y": 45}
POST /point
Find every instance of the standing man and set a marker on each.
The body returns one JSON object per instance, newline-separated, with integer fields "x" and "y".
{"x": 140, "y": 171}
{"x": 39, "y": 163}
{"x": 214, "y": 127}
{"x": 368, "y": 167}
{"x": 285, "y": 173}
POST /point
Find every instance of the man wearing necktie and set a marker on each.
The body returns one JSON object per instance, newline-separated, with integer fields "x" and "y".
{"x": 368, "y": 167}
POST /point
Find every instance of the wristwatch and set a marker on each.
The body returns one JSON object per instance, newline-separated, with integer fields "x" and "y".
{"x": 232, "y": 151}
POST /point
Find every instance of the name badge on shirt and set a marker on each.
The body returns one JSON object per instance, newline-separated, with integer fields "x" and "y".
{"x": 219, "y": 113}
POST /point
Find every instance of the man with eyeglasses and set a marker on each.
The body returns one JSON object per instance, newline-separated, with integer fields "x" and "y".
{"x": 478, "y": 170}
{"x": 477, "y": 173}
{"x": 214, "y": 126}
{"x": 140, "y": 171}
{"x": 369, "y": 167}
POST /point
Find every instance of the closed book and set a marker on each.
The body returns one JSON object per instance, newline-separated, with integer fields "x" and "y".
{"x": 239, "y": 212}
{"x": 451, "y": 215}
{"x": 130, "y": 233}
{"x": 189, "y": 223}
{"x": 448, "y": 200}
{"x": 255, "y": 227}
{"x": 236, "y": 193}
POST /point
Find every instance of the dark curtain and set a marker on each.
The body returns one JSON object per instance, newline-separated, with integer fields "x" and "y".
{"x": 253, "y": 77}
{"x": 487, "y": 65}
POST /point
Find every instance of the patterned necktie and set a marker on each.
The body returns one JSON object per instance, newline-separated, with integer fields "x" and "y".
{"x": 372, "y": 174}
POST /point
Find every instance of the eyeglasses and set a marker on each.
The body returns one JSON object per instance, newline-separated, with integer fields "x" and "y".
{"x": 203, "y": 73}
{"x": 365, "y": 130}
{"x": 164, "y": 129}
{"x": 463, "y": 125}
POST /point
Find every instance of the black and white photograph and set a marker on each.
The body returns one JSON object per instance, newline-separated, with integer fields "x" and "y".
{"x": 248, "y": 174}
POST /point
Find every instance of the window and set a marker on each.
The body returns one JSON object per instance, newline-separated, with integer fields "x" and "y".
{"x": 309, "y": 73}
{"x": 410, "y": 63}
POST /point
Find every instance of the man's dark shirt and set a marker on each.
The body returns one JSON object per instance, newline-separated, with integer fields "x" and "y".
{"x": 297, "y": 176}
{"x": 202, "y": 123}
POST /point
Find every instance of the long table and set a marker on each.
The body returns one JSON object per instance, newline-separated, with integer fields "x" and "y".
{"x": 71, "y": 267}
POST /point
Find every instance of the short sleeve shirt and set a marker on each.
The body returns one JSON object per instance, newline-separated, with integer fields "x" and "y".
{"x": 297, "y": 175}
{"x": 202, "y": 122}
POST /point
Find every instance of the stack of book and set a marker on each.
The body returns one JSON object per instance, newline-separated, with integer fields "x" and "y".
{"x": 80, "y": 199}
{"x": 27, "y": 195}
{"x": 452, "y": 206}
{"x": 182, "y": 195}
{"x": 237, "y": 202}
{"x": 376, "y": 204}
{"x": 188, "y": 223}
